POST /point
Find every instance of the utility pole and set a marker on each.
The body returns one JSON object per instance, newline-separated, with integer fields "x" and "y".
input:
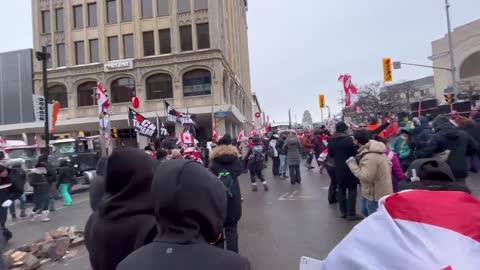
{"x": 289, "y": 119}
{"x": 44, "y": 56}
{"x": 450, "y": 45}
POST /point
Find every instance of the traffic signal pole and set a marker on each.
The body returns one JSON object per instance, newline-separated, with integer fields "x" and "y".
{"x": 450, "y": 45}
{"x": 43, "y": 56}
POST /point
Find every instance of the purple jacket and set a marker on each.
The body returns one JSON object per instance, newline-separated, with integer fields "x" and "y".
{"x": 397, "y": 173}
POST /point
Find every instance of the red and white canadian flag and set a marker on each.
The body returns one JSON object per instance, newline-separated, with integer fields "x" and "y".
{"x": 187, "y": 138}
{"x": 216, "y": 134}
{"x": 102, "y": 98}
{"x": 253, "y": 132}
{"x": 241, "y": 135}
{"x": 434, "y": 230}
{"x": 351, "y": 92}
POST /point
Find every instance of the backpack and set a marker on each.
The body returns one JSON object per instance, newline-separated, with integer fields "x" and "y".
{"x": 228, "y": 181}
{"x": 257, "y": 154}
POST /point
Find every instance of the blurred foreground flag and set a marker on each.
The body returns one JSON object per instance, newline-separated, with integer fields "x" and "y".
{"x": 411, "y": 230}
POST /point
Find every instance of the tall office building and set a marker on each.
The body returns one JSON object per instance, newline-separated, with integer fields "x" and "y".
{"x": 191, "y": 53}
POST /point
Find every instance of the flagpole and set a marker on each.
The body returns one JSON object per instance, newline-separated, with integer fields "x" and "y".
{"x": 158, "y": 126}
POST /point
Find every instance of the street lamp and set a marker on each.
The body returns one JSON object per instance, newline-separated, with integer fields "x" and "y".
{"x": 44, "y": 56}
{"x": 450, "y": 45}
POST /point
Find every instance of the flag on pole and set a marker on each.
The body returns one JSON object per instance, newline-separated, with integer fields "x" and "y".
{"x": 103, "y": 107}
{"x": 351, "y": 92}
{"x": 241, "y": 135}
{"x": 253, "y": 132}
{"x": 172, "y": 114}
{"x": 216, "y": 134}
{"x": 162, "y": 131}
{"x": 420, "y": 230}
{"x": 267, "y": 125}
{"x": 186, "y": 138}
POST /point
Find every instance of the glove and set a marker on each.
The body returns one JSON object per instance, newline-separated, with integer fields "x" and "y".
{"x": 350, "y": 159}
{"x": 7, "y": 203}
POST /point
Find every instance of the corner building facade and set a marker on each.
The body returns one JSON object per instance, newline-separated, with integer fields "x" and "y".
{"x": 191, "y": 53}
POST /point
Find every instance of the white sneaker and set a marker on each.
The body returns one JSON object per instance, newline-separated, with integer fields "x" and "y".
{"x": 45, "y": 217}
{"x": 35, "y": 215}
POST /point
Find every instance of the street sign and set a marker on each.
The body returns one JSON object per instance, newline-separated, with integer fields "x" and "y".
{"x": 321, "y": 101}
{"x": 220, "y": 114}
{"x": 397, "y": 65}
{"x": 39, "y": 107}
{"x": 449, "y": 90}
{"x": 387, "y": 70}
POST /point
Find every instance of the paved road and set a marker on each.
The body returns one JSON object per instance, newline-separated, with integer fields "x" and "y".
{"x": 277, "y": 227}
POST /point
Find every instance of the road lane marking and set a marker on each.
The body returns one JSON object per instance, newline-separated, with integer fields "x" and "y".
{"x": 292, "y": 196}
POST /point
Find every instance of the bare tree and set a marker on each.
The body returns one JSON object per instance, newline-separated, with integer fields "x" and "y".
{"x": 375, "y": 100}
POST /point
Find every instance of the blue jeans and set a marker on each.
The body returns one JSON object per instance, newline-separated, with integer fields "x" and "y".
{"x": 23, "y": 204}
{"x": 283, "y": 165}
{"x": 369, "y": 207}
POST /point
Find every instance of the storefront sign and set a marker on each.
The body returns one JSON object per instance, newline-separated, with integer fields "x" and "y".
{"x": 39, "y": 107}
{"x": 197, "y": 86}
{"x": 118, "y": 65}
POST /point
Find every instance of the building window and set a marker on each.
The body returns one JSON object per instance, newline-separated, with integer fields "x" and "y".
{"x": 183, "y": 6}
{"x": 122, "y": 90}
{"x": 77, "y": 17}
{"x": 201, "y": 4}
{"x": 113, "y": 48}
{"x": 111, "y": 11}
{"x": 147, "y": 9}
{"x": 79, "y": 53}
{"x": 49, "y": 51}
{"x": 46, "y": 27}
{"x": 93, "y": 43}
{"x": 159, "y": 86}
{"x": 197, "y": 82}
{"x": 58, "y": 93}
{"x": 86, "y": 94}
{"x": 92, "y": 14}
{"x": 186, "y": 43}
{"x": 165, "y": 41}
{"x": 128, "y": 50}
{"x": 148, "y": 43}
{"x": 61, "y": 55}
{"x": 59, "y": 25}
{"x": 126, "y": 10}
{"x": 203, "y": 36}
{"x": 163, "y": 7}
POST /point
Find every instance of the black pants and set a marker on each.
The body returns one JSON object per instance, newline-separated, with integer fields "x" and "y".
{"x": 332, "y": 189}
{"x": 295, "y": 176}
{"x": 41, "y": 197}
{"x": 231, "y": 237}
{"x": 6, "y": 234}
{"x": 256, "y": 173}
{"x": 347, "y": 200}
{"x": 276, "y": 166}
{"x": 310, "y": 156}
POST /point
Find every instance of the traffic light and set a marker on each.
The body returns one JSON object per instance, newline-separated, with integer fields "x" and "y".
{"x": 114, "y": 132}
{"x": 321, "y": 101}
{"x": 449, "y": 98}
{"x": 387, "y": 70}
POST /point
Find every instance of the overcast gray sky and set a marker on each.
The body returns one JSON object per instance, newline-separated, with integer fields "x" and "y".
{"x": 299, "y": 48}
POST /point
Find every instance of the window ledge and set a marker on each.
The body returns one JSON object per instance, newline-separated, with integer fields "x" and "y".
{"x": 157, "y": 100}
{"x": 87, "y": 107}
{"x": 190, "y": 97}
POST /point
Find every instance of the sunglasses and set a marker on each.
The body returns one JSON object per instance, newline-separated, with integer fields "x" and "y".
{"x": 362, "y": 126}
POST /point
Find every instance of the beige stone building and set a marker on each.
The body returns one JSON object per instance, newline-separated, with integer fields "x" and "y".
{"x": 191, "y": 53}
{"x": 466, "y": 43}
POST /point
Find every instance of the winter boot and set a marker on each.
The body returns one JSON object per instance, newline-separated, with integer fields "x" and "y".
{"x": 45, "y": 215}
{"x": 14, "y": 217}
{"x": 23, "y": 214}
{"x": 254, "y": 188}
{"x": 265, "y": 186}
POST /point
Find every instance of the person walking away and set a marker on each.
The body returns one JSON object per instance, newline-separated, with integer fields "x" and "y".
{"x": 319, "y": 146}
{"x": 65, "y": 176}
{"x": 293, "y": 149}
{"x": 282, "y": 155}
{"x": 97, "y": 187}
{"x": 308, "y": 147}
{"x": 420, "y": 134}
{"x": 373, "y": 169}
{"x": 7, "y": 193}
{"x": 38, "y": 179}
{"x": 256, "y": 159}
{"x": 450, "y": 144}
{"x": 340, "y": 148}
{"x": 401, "y": 146}
{"x": 191, "y": 208}
{"x": 125, "y": 219}
{"x": 273, "y": 153}
{"x": 18, "y": 178}
{"x": 51, "y": 180}
{"x": 243, "y": 148}
{"x": 226, "y": 165}
{"x": 397, "y": 171}
{"x": 326, "y": 161}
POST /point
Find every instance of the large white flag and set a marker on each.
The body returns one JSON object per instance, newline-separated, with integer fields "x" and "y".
{"x": 431, "y": 230}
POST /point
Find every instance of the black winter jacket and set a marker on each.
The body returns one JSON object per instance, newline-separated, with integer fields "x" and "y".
{"x": 65, "y": 173}
{"x": 279, "y": 146}
{"x": 340, "y": 148}
{"x": 226, "y": 157}
{"x": 449, "y": 137}
{"x": 125, "y": 219}
{"x": 190, "y": 206}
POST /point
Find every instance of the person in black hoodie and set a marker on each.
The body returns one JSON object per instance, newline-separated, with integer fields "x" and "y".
{"x": 191, "y": 207}
{"x": 39, "y": 179}
{"x": 340, "y": 148}
{"x": 125, "y": 219}
{"x": 449, "y": 140}
{"x": 8, "y": 193}
{"x": 420, "y": 134}
{"x": 97, "y": 187}
{"x": 226, "y": 164}
{"x": 18, "y": 177}
{"x": 65, "y": 176}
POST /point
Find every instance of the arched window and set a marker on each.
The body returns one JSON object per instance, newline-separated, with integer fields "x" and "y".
{"x": 58, "y": 93}
{"x": 197, "y": 82}
{"x": 86, "y": 94}
{"x": 471, "y": 66}
{"x": 159, "y": 86}
{"x": 122, "y": 90}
